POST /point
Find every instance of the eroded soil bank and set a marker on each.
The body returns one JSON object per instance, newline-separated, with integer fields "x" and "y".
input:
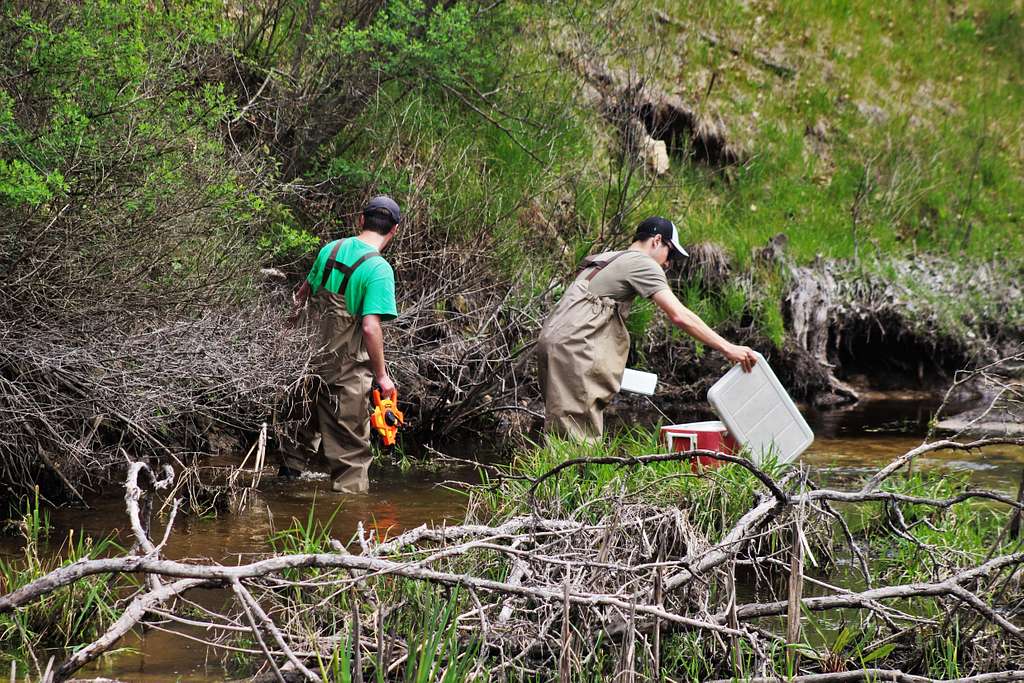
{"x": 850, "y": 329}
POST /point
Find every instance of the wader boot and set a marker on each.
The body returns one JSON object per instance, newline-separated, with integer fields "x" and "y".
{"x": 581, "y": 355}
{"x": 342, "y": 411}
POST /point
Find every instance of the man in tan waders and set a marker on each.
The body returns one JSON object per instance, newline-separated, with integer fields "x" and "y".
{"x": 581, "y": 352}
{"x": 351, "y": 289}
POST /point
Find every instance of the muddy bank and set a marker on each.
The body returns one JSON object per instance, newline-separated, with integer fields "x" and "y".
{"x": 901, "y": 323}
{"x": 852, "y": 329}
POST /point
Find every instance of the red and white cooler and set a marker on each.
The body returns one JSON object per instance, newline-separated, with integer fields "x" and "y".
{"x": 706, "y": 436}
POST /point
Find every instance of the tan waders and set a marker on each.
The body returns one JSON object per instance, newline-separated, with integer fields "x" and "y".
{"x": 581, "y": 355}
{"x": 341, "y": 413}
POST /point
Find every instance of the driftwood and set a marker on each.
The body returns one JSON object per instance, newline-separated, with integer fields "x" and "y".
{"x": 1000, "y": 408}
{"x": 638, "y": 572}
{"x": 74, "y": 404}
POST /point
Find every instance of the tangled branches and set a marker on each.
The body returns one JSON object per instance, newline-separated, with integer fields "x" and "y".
{"x": 601, "y": 589}
{"x": 461, "y": 345}
{"x": 72, "y": 403}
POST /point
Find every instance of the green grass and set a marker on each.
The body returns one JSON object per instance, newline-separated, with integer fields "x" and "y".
{"x": 969, "y": 530}
{"x": 964, "y": 534}
{"x": 711, "y": 502}
{"x": 921, "y": 124}
{"x": 945, "y": 150}
{"x": 70, "y": 617}
{"x": 713, "y": 499}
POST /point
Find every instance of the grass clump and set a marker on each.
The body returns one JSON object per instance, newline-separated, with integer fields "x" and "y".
{"x": 590, "y": 492}
{"x": 70, "y": 617}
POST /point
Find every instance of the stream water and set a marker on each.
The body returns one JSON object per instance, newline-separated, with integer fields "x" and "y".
{"x": 849, "y": 444}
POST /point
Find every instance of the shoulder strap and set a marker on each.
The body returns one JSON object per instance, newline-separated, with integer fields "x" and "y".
{"x": 346, "y": 271}
{"x": 597, "y": 266}
{"x": 332, "y": 263}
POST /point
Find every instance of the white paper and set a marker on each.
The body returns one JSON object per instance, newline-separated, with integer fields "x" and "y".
{"x": 638, "y": 382}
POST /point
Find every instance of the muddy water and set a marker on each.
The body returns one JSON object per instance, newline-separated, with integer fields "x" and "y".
{"x": 849, "y": 444}
{"x": 852, "y": 443}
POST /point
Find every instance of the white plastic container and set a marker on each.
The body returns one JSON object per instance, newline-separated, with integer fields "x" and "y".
{"x": 759, "y": 413}
{"x": 638, "y": 382}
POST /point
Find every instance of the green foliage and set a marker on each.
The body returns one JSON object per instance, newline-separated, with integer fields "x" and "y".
{"x": 435, "y": 650}
{"x": 714, "y": 499}
{"x": 22, "y": 184}
{"x": 285, "y": 238}
{"x": 305, "y": 536}
{"x": 436, "y": 653}
{"x": 112, "y": 141}
{"x": 929, "y": 114}
{"x": 720, "y": 307}
{"x": 845, "y": 646}
{"x": 687, "y": 654}
{"x": 71, "y": 616}
{"x": 640, "y": 316}
{"x": 769, "y": 287}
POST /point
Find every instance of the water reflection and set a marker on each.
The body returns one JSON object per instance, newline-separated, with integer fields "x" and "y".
{"x": 855, "y": 441}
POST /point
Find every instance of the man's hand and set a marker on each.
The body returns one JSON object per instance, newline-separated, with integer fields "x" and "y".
{"x": 744, "y": 355}
{"x": 299, "y": 298}
{"x": 387, "y": 387}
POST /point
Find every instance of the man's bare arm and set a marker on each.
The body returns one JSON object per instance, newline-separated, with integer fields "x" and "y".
{"x": 691, "y": 323}
{"x": 373, "y": 337}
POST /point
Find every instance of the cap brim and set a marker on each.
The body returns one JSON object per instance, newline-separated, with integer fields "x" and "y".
{"x": 675, "y": 242}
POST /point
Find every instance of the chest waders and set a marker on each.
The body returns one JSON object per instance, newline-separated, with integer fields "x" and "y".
{"x": 581, "y": 355}
{"x": 343, "y": 401}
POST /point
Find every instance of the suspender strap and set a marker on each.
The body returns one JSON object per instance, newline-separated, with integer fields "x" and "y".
{"x": 332, "y": 263}
{"x": 597, "y": 266}
{"x": 346, "y": 271}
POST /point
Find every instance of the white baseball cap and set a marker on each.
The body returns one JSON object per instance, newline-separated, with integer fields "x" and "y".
{"x": 656, "y": 225}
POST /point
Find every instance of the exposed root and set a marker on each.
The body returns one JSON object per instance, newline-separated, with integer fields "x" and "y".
{"x": 909, "y": 323}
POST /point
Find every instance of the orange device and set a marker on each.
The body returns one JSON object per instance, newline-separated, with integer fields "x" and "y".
{"x": 386, "y": 418}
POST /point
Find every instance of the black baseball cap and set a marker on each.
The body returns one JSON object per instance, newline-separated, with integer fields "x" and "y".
{"x": 385, "y": 205}
{"x": 656, "y": 225}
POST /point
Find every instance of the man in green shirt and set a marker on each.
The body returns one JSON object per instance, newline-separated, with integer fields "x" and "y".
{"x": 351, "y": 290}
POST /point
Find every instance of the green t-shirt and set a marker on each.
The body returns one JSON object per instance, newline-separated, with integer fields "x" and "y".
{"x": 370, "y": 289}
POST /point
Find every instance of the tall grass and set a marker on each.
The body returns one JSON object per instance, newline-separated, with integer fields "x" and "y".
{"x": 529, "y": 173}
{"x": 714, "y": 498}
{"x": 70, "y": 617}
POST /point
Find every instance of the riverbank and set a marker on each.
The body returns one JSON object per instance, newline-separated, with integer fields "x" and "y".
{"x": 851, "y": 445}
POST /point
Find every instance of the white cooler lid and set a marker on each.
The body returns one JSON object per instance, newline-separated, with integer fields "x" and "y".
{"x": 759, "y": 413}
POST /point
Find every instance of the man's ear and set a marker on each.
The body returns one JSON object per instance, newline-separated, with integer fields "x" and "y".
{"x": 361, "y": 220}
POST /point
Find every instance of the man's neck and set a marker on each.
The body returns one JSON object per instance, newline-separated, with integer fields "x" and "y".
{"x": 374, "y": 239}
{"x": 642, "y": 247}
